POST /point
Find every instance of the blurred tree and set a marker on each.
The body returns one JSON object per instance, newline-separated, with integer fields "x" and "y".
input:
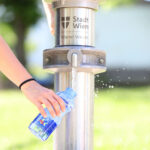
{"x": 112, "y": 3}
{"x": 20, "y": 15}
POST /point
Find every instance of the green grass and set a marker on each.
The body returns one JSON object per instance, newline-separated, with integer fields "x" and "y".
{"x": 122, "y": 121}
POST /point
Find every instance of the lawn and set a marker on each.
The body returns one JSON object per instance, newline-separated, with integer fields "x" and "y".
{"x": 122, "y": 121}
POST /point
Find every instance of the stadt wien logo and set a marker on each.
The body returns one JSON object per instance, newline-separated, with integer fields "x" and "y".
{"x": 65, "y": 22}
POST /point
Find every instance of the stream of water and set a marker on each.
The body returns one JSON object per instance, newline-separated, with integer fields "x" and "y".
{"x": 74, "y": 79}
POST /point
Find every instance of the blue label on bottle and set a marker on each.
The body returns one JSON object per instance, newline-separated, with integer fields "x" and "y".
{"x": 42, "y": 127}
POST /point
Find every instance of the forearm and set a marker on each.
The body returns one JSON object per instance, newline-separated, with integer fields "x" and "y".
{"x": 10, "y": 66}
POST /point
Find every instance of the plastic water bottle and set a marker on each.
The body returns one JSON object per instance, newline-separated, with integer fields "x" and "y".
{"x": 43, "y": 127}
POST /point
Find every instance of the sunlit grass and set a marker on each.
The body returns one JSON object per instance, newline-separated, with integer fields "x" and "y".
{"x": 122, "y": 121}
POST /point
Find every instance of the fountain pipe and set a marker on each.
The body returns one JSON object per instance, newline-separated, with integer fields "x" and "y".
{"x": 74, "y": 61}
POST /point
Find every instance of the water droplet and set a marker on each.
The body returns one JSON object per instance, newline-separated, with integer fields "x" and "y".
{"x": 98, "y": 75}
{"x": 129, "y": 78}
{"x": 111, "y": 86}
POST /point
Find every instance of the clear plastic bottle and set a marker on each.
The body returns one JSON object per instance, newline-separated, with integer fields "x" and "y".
{"x": 43, "y": 127}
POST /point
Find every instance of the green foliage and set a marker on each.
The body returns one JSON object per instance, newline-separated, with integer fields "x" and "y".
{"x": 27, "y": 11}
{"x": 20, "y": 15}
{"x": 114, "y": 3}
{"x": 30, "y": 46}
{"x": 8, "y": 34}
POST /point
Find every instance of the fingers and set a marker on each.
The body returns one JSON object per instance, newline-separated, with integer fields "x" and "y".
{"x": 41, "y": 109}
{"x": 52, "y": 31}
{"x": 49, "y": 106}
{"x": 60, "y": 101}
{"x": 54, "y": 103}
{"x": 51, "y": 12}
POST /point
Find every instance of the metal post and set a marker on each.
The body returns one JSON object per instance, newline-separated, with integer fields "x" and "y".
{"x": 74, "y": 61}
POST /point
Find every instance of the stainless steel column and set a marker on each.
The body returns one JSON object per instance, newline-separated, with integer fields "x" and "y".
{"x": 76, "y": 129}
{"x": 74, "y": 61}
{"x": 74, "y": 26}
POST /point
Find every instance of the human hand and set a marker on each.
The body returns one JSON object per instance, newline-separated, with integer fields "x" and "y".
{"x": 39, "y": 95}
{"x": 50, "y": 14}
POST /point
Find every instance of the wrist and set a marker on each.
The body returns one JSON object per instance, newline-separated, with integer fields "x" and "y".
{"x": 26, "y": 82}
{"x": 29, "y": 86}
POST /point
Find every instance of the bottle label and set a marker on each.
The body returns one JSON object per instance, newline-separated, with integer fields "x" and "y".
{"x": 42, "y": 127}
